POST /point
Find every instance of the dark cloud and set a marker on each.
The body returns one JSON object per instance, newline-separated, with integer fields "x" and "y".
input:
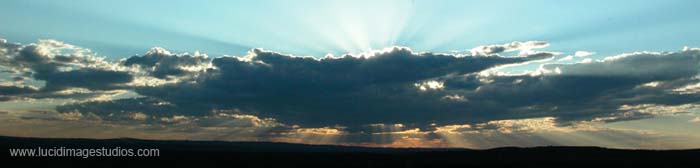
{"x": 366, "y": 93}
{"x": 14, "y": 92}
{"x": 162, "y": 64}
{"x": 585, "y": 91}
{"x": 93, "y": 79}
{"x": 60, "y": 66}
{"x": 394, "y": 87}
{"x": 123, "y": 108}
{"x": 514, "y": 46}
{"x": 349, "y": 90}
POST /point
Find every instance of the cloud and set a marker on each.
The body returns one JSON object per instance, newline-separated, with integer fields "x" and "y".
{"x": 583, "y": 53}
{"x": 514, "y": 46}
{"x": 358, "y": 93}
{"x": 584, "y": 91}
{"x": 93, "y": 79}
{"x": 59, "y": 66}
{"x": 546, "y": 132}
{"x": 9, "y": 92}
{"x": 394, "y": 86}
{"x": 567, "y": 58}
{"x": 160, "y": 63}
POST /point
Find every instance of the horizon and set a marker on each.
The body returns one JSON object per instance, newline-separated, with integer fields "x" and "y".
{"x": 396, "y": 74}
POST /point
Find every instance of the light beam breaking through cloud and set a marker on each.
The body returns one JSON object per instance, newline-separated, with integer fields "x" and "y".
{"x": 394, "y": 97}
{"x": 393, "y": 73}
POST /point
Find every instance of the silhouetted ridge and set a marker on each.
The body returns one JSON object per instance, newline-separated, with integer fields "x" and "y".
{"x": 276, "y": 154}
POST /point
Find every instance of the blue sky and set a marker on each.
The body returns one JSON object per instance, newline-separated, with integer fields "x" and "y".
{"x": 510, "y": 75}
{"x": 118, "y": 29}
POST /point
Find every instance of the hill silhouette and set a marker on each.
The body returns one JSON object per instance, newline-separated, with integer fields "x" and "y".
{"x": 273, "y": 154}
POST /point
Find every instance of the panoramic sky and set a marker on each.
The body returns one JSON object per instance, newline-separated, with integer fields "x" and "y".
{"x": 402, "y": 73}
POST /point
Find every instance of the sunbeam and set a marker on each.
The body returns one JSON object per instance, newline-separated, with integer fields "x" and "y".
{"x": 393, "y": 73}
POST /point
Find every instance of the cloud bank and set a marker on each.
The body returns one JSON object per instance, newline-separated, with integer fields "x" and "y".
{"x": 394, "y": 90}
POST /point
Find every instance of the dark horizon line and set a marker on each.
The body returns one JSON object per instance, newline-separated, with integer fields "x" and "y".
{"x": 338, "y": 147}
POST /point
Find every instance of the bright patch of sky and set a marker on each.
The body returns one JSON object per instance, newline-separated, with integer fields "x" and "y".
{"x": 118, "y": 29}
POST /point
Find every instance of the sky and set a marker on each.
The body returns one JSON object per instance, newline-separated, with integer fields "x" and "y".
{"x": 401, "y": 73}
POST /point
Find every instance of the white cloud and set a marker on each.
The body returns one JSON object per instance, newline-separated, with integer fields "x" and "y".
{"x": 430, "y": 85}
{"x": 567, "y": 58}
{"x": 524, "y": 47}
{"x": 583, "y": 53}
{"x": 454, "y": 97}
{"x": 587, "y": 60}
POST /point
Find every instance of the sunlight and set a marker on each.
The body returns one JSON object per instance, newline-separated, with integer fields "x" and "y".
{"x": 356, "y": 28}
